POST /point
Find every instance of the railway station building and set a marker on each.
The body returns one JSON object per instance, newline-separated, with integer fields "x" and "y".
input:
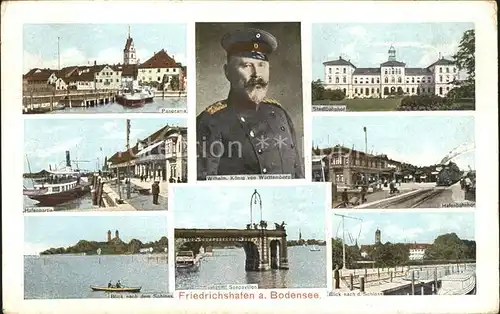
{"x": 345, "y": 166}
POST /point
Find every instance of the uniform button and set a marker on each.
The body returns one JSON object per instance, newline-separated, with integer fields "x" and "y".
{"x": 282, "y": 128}
{"x": 295, "y": 165}
{"x": 242, "y": 119}
{"x": 252, "y": 134}
{"x": 264, "y": 170}
{"x": 292, "y": 146}
{"x": 273, "y": 113}
{"x": 259, "y": 151}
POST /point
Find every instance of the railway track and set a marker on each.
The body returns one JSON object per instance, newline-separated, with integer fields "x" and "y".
{"x": 411, "y": 201}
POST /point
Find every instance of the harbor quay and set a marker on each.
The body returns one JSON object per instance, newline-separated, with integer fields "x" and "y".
{"x": 399, "y": 279}
{"x": 45, "y": 102}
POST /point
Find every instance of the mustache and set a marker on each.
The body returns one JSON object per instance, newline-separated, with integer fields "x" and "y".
{"x": 256, "y": 81}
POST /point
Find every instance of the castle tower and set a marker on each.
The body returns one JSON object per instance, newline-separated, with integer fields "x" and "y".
{"x": 392, "y": 54}
{"x": 117, "y": 234}
{"x": 300, "y": 235}
{"x": 129, "y": 54}
{"x": 377, "y": 237}
{"x": 109, "y": 235}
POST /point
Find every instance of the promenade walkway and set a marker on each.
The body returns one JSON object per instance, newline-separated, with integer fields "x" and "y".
{"x": 147, "y": 185}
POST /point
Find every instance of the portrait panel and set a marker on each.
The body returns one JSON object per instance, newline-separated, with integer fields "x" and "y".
{"x": 249, "y": 101}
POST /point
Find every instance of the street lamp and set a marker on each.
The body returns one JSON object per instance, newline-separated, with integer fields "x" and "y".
{"x": 255, "y": 199}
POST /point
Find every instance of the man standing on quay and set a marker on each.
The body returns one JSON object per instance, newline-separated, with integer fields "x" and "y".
{"x": 155, "y": 190}
{"x": 247, "y": 133}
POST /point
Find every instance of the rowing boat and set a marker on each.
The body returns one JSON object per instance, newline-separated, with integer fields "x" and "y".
{"x": 114, "y": 289}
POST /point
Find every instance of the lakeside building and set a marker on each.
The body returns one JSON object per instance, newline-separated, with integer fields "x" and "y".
{"x": 160, "y": 69}
{"x": 416, "y": 251}
{"x": 160, "y": 156}
{"x": 347, "y": 166}
{"x": 391, "y": 77}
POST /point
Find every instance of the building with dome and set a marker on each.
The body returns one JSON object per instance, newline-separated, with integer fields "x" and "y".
{"x": 392, "y": 77}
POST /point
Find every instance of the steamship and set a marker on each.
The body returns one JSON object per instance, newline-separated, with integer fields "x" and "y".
{"x": 54, "y": 187}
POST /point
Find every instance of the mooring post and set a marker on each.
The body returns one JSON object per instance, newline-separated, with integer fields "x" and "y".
{"x": 366, "y": 272}
{"x": 433, "y": 289}
{"x": 351, "y": 282}
{"x": 378, "y": 273}
{"x": 362, "y": 284}
{"x": 412, "y": 282}
{"x": 435, "y": 277}
{"x": 422, "y": 290}
{"x": 391, "y": 276}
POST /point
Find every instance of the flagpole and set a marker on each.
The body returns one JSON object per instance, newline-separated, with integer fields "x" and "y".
{"x": 366, "y": 154}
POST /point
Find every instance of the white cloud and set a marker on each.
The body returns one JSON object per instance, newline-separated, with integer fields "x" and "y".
{"x": 70, "y": 56}
{"x": 73, "y": 56}
{"x": 109, "y": 56}
{"x": 357, "y": 31}
{"x": 45, "y": 152}
{"x": 34, "y": 248}
{"x": 109, "y": 126}
{"x": 121, "y": 134}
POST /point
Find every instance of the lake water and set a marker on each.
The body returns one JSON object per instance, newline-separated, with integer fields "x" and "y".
{"x": 307, "y": 269}
{"x": 154, "y": 107}
{"x": 68, "y": 277}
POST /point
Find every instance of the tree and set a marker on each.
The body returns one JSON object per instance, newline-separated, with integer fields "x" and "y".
{"x": 174, "y": 82}
{"x": 446, "y": 247}
{"x": 317, "y": 90}
{"x": 352, "y": 254}
{"x": 464, "y": 57}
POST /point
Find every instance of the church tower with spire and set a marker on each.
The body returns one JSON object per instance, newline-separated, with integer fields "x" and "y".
{"x": 129, "y": 54}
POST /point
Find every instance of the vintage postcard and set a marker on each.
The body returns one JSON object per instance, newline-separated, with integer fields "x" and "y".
{"x": 410, "y": 253}
{"x": 126, "y": 166}
{"x": 397, "y": 66}
{"x": 256, "y": 237}
{"x": 104, "y": 68}
{"x": 388, "y": 162}
{"x": 249, "y": 117}
{"x": 82, "y": 257}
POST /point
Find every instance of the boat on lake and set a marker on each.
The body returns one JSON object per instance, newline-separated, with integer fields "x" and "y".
{"x": 148, "y": 93}
{"x": 186, "y": 260}
{"x": 114, "y": 289}
{"x": 132, "y": 95}
{"x": 314, "y": 248}
{"x": 458, "y": 284}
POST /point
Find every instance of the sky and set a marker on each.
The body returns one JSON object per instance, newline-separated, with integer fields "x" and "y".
{"x": 229, "y": 207}
{"x": 407, "y": 227}
{"x": 43, "y": 232}
{"x": 367, "y": 45}
{"x": 81, "y": 44}
{"x": 419, "y": 140}
{"x": 46, "y": 140}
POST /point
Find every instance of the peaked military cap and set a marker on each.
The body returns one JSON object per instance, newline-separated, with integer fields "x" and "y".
{"x": 250, "y": 42}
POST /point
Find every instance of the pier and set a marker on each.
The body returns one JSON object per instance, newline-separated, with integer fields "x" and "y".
{"x": 57, "y": 101}
{"x": 396, "y": 280}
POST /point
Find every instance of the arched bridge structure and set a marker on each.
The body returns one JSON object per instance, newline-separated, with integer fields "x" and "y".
{"x": 264, "y": 249}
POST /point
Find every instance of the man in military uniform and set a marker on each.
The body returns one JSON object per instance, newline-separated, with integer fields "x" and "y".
{"x": 247, "y": 133}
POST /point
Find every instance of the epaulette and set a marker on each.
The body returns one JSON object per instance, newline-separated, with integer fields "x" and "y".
{"x": 213, "y": 108}
{"x": 272, "y": 101}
